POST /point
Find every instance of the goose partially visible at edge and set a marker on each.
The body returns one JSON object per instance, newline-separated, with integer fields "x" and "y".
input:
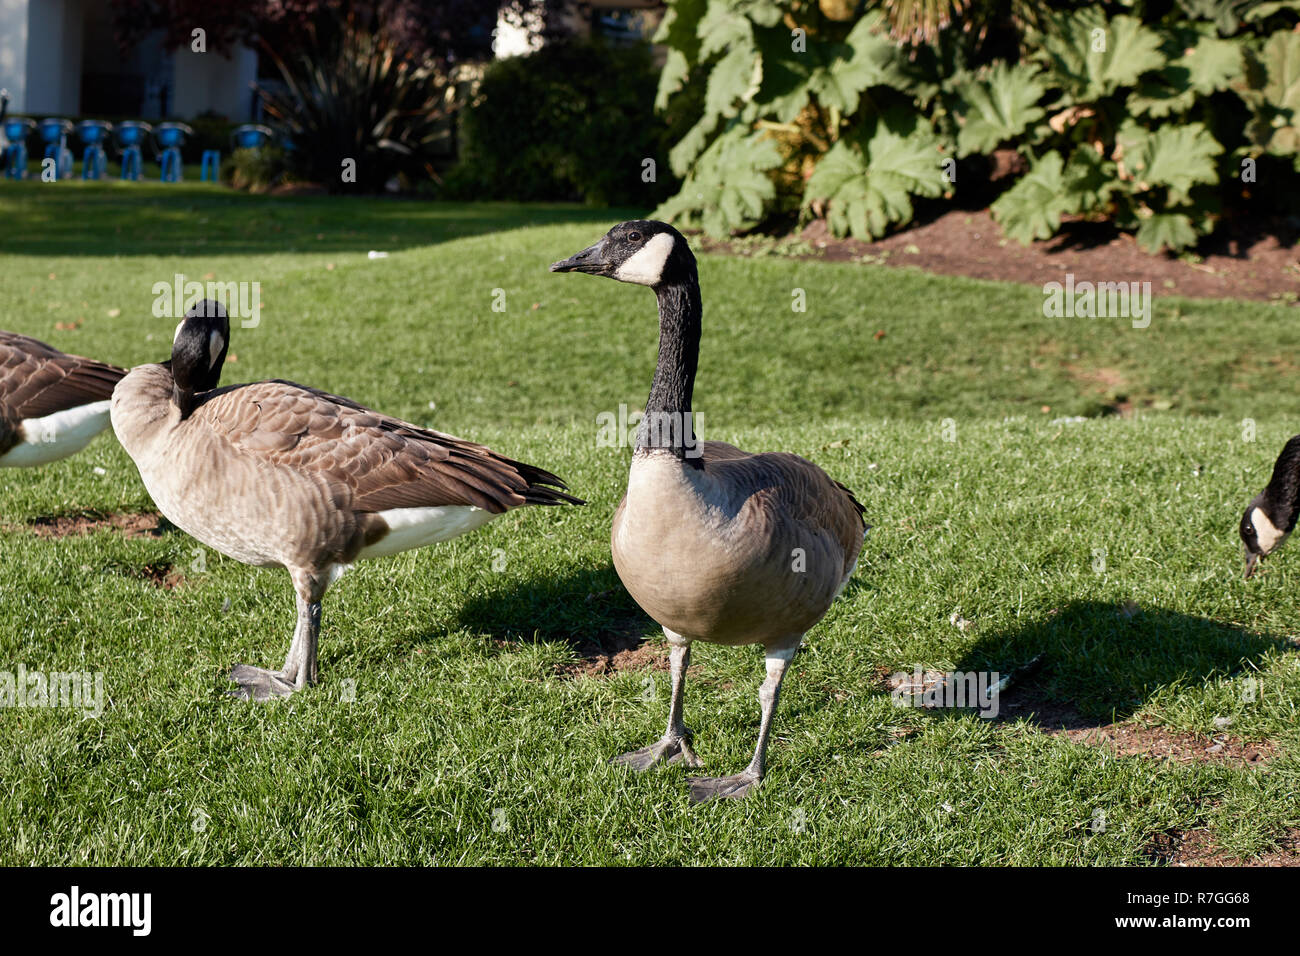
{"x": 714, "y": 543}
{"x": 51, "y": 403}
{"x": 279, "y": 474}
{"x": 1271, "y": 517}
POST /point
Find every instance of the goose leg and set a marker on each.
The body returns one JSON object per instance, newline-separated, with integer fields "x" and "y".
{"x": 675, "y": 745}
{"x": 299, "y": 670}
{"x": 736, "y": 786}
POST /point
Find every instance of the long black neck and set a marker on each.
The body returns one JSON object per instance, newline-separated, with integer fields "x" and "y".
{"x": 667, "y": 424}
{"x": 1282, "y": 496}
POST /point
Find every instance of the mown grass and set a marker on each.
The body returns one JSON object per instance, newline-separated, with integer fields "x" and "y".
{"x": 448, "y": 728}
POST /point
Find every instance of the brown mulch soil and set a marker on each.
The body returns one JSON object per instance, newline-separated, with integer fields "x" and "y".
{"x": 1198, "y": 848}
{"x": 621, "y": 648}
{"x": 133, "y": 525}
{"x": 1126, "y": 738}
{"x": 1240, "y": 263}
{"x": 620, "y": 651}
{"x": 1130, "y": 738}
{"x": 161, "y": 575}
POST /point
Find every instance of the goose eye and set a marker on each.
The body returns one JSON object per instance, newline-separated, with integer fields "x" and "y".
{"x": 634, "y": 236}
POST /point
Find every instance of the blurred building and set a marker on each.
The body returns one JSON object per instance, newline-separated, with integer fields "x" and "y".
{"x": 58, "y": 57}
{"x": 520, "y": 28}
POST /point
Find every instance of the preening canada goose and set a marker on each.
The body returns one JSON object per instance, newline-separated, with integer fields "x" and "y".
{"x": 51, "y": 403}
{"x": 273, "y": 473}
{"x": 1271, "y": 516}
{"x": 714, "y": 543}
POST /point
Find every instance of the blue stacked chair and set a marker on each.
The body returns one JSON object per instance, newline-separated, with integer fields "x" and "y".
{"x": 94, "y": 161}
{"x": 16, "y": 132}
{"x": 54, "y": 133}
{"x": 130, "y": 135}
{"x": 170, "y": 137}
{"x": 250, "y": 136}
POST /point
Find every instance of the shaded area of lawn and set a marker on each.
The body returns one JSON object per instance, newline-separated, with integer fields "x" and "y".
{"x": 1106, "y": 660}
{"x": 75, "y": 218}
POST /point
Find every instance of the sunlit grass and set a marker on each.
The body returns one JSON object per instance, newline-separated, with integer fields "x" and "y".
{"x": 447, "y": 728}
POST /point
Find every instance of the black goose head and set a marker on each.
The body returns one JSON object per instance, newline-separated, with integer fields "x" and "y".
{"x": 1262, "y": 531}
{"x": 1271, "y": 517}
{"x": 642, "y": 251}
{"x": 198, "y": 352}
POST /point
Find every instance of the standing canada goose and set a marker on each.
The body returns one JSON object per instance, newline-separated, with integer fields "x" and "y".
{"x": 273, "y": 473}
{"x": 1271, "y": 516}
{"x": 51, "y": 403}
{"x": 714, "y": 543}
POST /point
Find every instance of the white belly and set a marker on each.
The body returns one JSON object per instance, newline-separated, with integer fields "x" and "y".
{"x": 57, "y": 436}
{"x": 417, "y": 527}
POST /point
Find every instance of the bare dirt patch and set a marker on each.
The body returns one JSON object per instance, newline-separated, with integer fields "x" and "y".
{"x": 1198, "y": 848}
{"x": 1131, "y": 738}
{"x": 1240, "y": 263}
{"x": 621, "y": 650}
{"x": 146, "y": 524}
{"x": 160, "y": 575}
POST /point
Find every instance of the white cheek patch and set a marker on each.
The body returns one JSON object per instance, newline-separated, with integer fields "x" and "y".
{"x": 177, "y": 334}
{"x": 1270, "y": 538}
{"x": 215, "y": 344}
{"x": 646, "y": 267}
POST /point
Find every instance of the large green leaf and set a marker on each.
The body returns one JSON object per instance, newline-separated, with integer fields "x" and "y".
{"x": 675, "y": 72}
{"x": 883, "y": 63}
{"x": 766, "y": 13}
{"x": 730, "y": 190}
{"x": 1165, "y": 230}
{"x": 1089, "y": 181}
{"x": 731, "y": 81}
{"x": 1032, "y": 208}
{"x": 996, "y": 106}
{"x": 1273, "y": 92}
{"x": 835, "y": 73}
{"x": 1204, "y": 65}
{"x": 679, "y": 28}
{"x": 1175, "y": 156}
{"x": 870, "y": 187}
{"x": 687, "y": 149}
{"x": 1090, "y": 57}
{"x": 723, "y": 27}
{"x": 1227, "y": 15}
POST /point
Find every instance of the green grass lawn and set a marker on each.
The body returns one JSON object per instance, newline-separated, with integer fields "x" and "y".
{"x": 449, "y": 725}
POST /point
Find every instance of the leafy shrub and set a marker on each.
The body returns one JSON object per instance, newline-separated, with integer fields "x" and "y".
{"x": 571, "y": 121}
{"x": 349, "y": 94}
{"x": 256, "y": 170}
{"x": 1146, "y": 115}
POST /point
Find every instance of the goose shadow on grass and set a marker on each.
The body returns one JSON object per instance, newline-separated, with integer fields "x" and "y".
{"x": 587, "y": 608}
{"x": 1091, "y": 662}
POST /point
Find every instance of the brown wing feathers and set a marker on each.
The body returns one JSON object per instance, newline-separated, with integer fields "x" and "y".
{"x": 385, "y": 462}
{"x": 857, "y": 505}
{"x": 37, "y": 380}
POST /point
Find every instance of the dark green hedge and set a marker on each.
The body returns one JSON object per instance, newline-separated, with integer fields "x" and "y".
{"x": 572, "y": 121}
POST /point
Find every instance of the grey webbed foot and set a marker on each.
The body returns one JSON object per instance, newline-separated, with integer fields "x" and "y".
{"x": 258, "y": 684}
{"x": 666, "y": 750}
{"x": 731, "y": 788}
